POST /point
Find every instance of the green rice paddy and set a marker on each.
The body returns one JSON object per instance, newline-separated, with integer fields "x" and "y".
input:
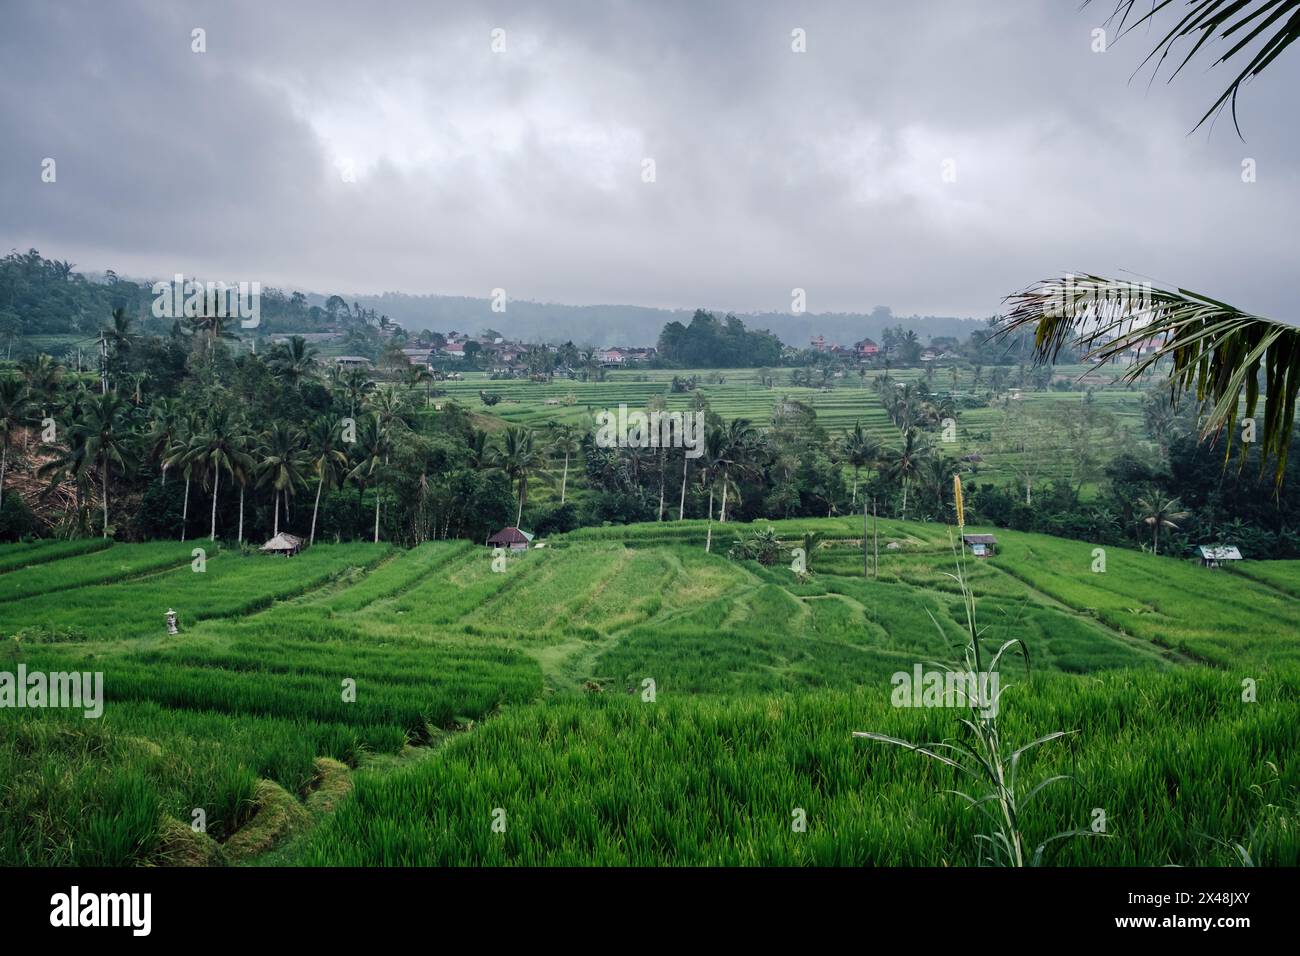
{"x": 622, "y": 697}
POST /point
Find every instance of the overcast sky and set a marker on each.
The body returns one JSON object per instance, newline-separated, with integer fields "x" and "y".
{"x": 523, "y": 169}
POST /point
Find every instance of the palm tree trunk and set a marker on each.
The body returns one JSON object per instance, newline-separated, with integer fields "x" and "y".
{"x": 185, "y": 510}
{"x": 275, "y": 529}
{"x": 376, "y": 515}
{"x": 4, "y": 462}
{"x": 564, "y": 482}
{"x": 708, "y": 539}
{"x": 855, "y": 489}
{"x": 104, "y": 480}
{"x": 241, "y": 512}
{"x": 722, "y": 512}
{"x": 315, "y": 508}
{"x": 519, "y": 515}
{"x": 661, "y": 485}
{"x": 216, "y": 486}
{"x": 904, "y": 497}
{"x": 681, "y": 506}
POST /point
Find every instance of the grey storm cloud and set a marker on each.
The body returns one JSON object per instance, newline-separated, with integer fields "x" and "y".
{"x": 522, "y": 169}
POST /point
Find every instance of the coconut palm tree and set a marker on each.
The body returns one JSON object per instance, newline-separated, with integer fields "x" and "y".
{"x": 904, "y": 464}
{"x": 391, "y": 408}
{"x": 354, "y": 385}
{"x": 181, "y": 454}
{"x": 710, "y": 466}
{"x": 1260, "y": 31}
{"x": 245, "y": 466}
{"x": 118, "y": 333}
{"x": 166, "y": 418}
{"x": 282, "y": 464}
{"x": 937, "y": 473}
{"x": 42, "y": 378}
{"x": 478, "y": 449}
{"x": 294, "y": 362}
{"x": 328, "y": 461}
{"x": 860, "y": 451}
{"x": 564, "y": 442}
{"x": 104, "y": 432}
{"x": 211, "y": 327}
{"x": 737, "y": 440}
{"x": 1216, "y": 350}
{"x": 218, "y": 448}
{"x": 14, "y": 409}
{"x": 413, "y": 376}
{"x": 372, "y": 451}
{"x": 686, "y": 464}
{"x": 1158, "y": 512}
{"x": 519, "y": 460}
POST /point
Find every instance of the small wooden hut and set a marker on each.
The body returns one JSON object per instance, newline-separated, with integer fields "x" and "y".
{"x": 1213, "y": 556}
{"x": 511, "y": 538}
{"x": 283, "y": 543}
{"x": 981, "y": 545}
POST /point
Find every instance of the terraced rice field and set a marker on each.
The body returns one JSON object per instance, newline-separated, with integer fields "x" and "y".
{"x": 851, "y": 401}
{"x": 363, "y": 705}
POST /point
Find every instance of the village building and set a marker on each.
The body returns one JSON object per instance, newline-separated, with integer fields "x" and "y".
{"x": 419, "y": 356}
{"x": 981, "y": 545}
{"x": 352, "y": 361}
{"x": 613, "y": 357}
{"x": 511, "y": 538}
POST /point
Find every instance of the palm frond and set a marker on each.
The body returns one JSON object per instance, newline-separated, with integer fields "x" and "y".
{"x": 1217, "y": 350}
{"x": 1269, "y": 26}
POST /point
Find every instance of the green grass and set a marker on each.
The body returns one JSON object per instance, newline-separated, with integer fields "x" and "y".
{"x": 71, "y": 571}
{"x": 230, "y": 585}
{"x": 1225, "y": 619}
{"x": 1170, "y": 758}
{"x": 14, "y": 557}
{"x": 522, "y": 690}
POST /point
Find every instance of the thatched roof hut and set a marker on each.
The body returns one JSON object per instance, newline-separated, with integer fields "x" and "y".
{"x": 283, "y": 543}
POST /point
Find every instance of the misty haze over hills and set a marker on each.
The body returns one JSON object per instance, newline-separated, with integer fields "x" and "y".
{"x": 608, "y": 325}
{"x": 630, "y": 324}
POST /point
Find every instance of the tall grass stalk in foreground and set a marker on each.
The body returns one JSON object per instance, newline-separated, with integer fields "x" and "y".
{"x": 984, "y": 759}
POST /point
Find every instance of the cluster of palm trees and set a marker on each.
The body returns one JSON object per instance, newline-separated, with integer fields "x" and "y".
{"x": 914, "y": 404}
{"x": 729, "y": 455}
{"x": 104, "y": 436}
{"x": 915, "y": 462}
